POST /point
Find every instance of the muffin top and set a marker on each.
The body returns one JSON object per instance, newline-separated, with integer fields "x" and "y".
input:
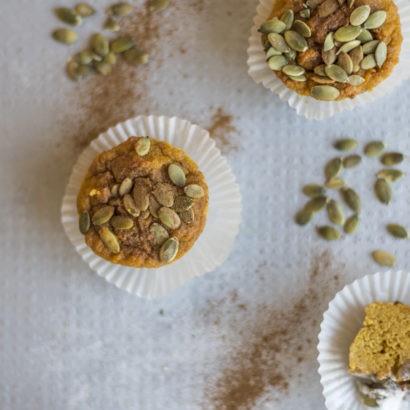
{"x": 142, "y": 203}
{"x": 332, "y": 49}
{"x": 382, "y": 347}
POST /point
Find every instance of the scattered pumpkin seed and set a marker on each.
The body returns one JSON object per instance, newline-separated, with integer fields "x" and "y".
{"x": 365, "y": 36}
{"x": 164, "y": 194}
{"x": 351, "y": 224}
{"x": 335, "y": 183}
{"x": 345, "y": 62}
{"x": 103, "y": 215}
{"x": 296, "y": 41}
{"x": 65, "y": 36}
{"x": 329, "y": 57}
{"x": 159, "y": 233}
{"x": 370, "y": 47}
{"x": 102, "y": 67}
{"x": 383, "y": 191}
{"x": 84, "y": 10}
{"x": 187, "y": 216}
{"x": 313, "y": 190}
{"x": 111, "y": 24}
{"x": 158, "y": 5}
{"x": 369, "y": 401}
{"x": 384, "y": 258}
{"x": 351, "y": 199}
{"x": 347, "y": 33}
{"x": 126, "y": 186}
{"x": 368, "y": 62}
{"x": 83, "y": 57}
{"x": 288, "y": 17}
{"x": 397, "y": 231}
{"x": 335, "y": 212}
{"x": 109, "y": 239}
{"x": 135, "y": 56}
{"x": 345, "y": 144}
{"x": 272, "y": 52}
{"x": 114, "y": 190}
{"x": 176, "y": 175}
{"x": 357, "y": 56}
{"x": 77, "y": 71}
{"x": 302, "y": 28}
{"x": 110, "y": 58}
{"x": 359, "y": 15}
{"x": 355, "y": 80}
{"x": 390, "y": 175}
{"x": 322, "y": 80}
{"x": 329, "y": 233}
{"x": 142, "y": 146}
{"x": 349, "y": 46}
{"x": 336, "y": 73}
{"x": 68, "y": 16}
{"x": 293, "y": 70}
{"x": 121, "y": 222}
{"x": 276, "y": 40}
{"x": 381, "y": 53}
{"x": 375, "y": 20}
{"x": 169, "y": 250}
{"x": 130, "y": 206}
{"x": 182, "y": 203}
{"x": 84, "y": 222}
{"x": 273, "y": 25}
{"x": 329, "y": 43}
{"x": 299, "y": 78}
{"x": 121, "y": 44}
{"x": 392, "y": 158}
{"x": 320, "y": 70}
{"x": 169, "y": 218}
{"x": 333, "y": 168}
{"x": 99, "y": 44}
{"x": 315, "y": 204}
{"x": 351, "y": 161}
{"x": 325, "y": 92}
{"x": 194, "y": 191}
{"x": 121, "y": 9}
{"x": 303, "y": 217}
{"x": 374, "y": 148}
{"x": 304, "y": 14}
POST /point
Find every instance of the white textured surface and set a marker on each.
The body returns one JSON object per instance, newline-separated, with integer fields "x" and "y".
{"x": 70, "y": 341}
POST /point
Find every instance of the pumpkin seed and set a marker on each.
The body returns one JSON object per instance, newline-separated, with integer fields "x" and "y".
{"x": 130, "y": 206}
{"x": 194, "y": 191}
{"x": 302, "y": 28}
{"x": 345, "y": 62}
{"x": 121, "y": 9}
{"x": 99, "y": 44}
{"x": 76, "y": 71}
{"x": 291, "y": 55}
{"x": 383, "y": 191}
{"x": 182, "y": 203}
{"x": 335, "y": 212}
{"x": 109, "y": 239}
{"x": 114, "y": 190}
{"x": 381, "y": 53}
{"x": 111, "y": 24}
{"x": 327, "y": 8}
{"x": 304, "y": 14}
{"x": 384, "y": 258}
{"x": 169, "y": 218}
{"x": 121, "y": 44}
{"x": 329, "y": 233}
{"x": 352, "y": 161}
{"x": 313, "y": 190}
{"x": 345, "y": 144}
{"x": 96, "y": 57}
{"x": 351, "y": 224}
{"x": 333, "y": 168}
{"x": 153, "y": 206}
{"x": 375, "y": 20}
{"x": 355, "y": 80}
{"x": 322, "y": 80}
{"x": 370, "y": 47}
{"x": 83, "y": 57}
{"x": 142, "y": 146}
{"x": 357, "y": 56}
{"x": 325, "y": 92}
{"x": 68, "y": 16}
{"x": 335, "y": 183}
{"x": 65, "y": 36}
{"x": 125, "y": 187}
{"x": 110, "y": 58}
{"x": 397, "y": 231}
{"x": 315, "y": 204}
{"x": 352, "y": 199}
{"x": 374, "y": 148}
{"x": 299, "y": 78}
{"x": 329, "y": 43}
{"x": 320, "y": 70}
{"x": 187, "y": 216}
{"x": 296, "y": 41}
{"x": 158, "y": 5}
{"x": 84, "y": 10}
{"x": 349, "y": 46}
{"x": 392, "y": 158}
{"x": 303, "y": 217}
{"x": 121, "y": 222}
{"x": 390, "y": 175}
{"x": 176, "y": 175}
{"x": 102, "y": 67}
{"x": 103, "y": 215}
{"x": 84, "y": 222}
{"x": 135, "y": 56}
{"x": 329, "y": 57}
{"x": 273, "y": 25}
{"x": 288, "y": 17}
{"x": 159, "y": 233}
{"x": 164, "y": 194}
{"x": 169, "y": 250}
{"x": 351, "y": 3}
{"x": 359, "y": 15}
{"x": 365, "y": 36}
{"x": 276, "y": 40}
{"x": 276, "y": 63}
{"x": 293, "y": 70}
{"x": 272, "y": 52}
{"x": 368, "y": 62}
{"x": 347, "y": 33}
{"x": 140, "y": 195}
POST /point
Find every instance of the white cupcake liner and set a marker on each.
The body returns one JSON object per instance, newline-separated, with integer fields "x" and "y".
{"x": 308, "y": 106}
{"x": 340, "y": 324}
{"x": 224, "y": 215}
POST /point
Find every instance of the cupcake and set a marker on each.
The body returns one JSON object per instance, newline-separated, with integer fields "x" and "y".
{"x": 143, "y": 203}
{"x": 333, "y": 49}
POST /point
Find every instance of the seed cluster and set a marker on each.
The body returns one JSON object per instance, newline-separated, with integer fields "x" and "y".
{"x": 138, "y": 198}
{"x": 101, "y": 54}
{"x": 346, "y": 53}
{"x": 319, "y": 199}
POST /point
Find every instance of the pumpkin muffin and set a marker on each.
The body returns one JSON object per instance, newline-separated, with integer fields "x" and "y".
{"x": 332, "y": 49}
{"x": 142, "y": 203}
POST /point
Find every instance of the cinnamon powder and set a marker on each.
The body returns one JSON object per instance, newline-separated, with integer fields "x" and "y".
{"x": 220, "y": 129}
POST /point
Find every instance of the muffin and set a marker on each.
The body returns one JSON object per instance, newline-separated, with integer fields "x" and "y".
{"x": 332, "y": 49}
{"x": 142, "y": 203}
{"x": 380, "y": 352}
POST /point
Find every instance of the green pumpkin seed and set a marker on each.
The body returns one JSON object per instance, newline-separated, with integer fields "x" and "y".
{"x": 329, "y": 43}
{"x": 140, "y": 195}
{"x": 169, "y": 218}
{"x": 347, "y": 33}
{"x": 103, "y": 67}
{"x": 328, "y": 7}
{"x": 302, "y": 28}
{"x": 83, "y": 57}
{"x": 304, "y": 14}
{"x": 76, "y": 71}
{"x": 381, "y": 53}
{"x": 384, "y": 258}
{"x": 345, "y": 144}
{"x": 329, "y": 57}
{"x": 194, "y": 191}
{"x": 121, "y": 44}
{"x": 273, "y": 25}
{"x": 277, "y": 41}
{"x": 351, "y": 199}
{"x": 103, "y": 215}
{"x": 272, "y": 52}
{"x": 111, "y": 24}
{"x": 365, "y": 36}
{"x": 135, "y": 56}
{"x": 130, "y": 207}
{"x": 359, "y": 15}
{"x": 169, "y": 250}
{"x": 299, "y": 78}
{"x": 348, "y": 47}
{"x": 182, "y": 203}
{"x": 288, "y": 17}
{"x": 390, "y": 175}
{"x": 374, "y": 148}
{"x": 121, "y": 9}
{"x": 325, "y": 92}
{"x": 291, "y": 55}
{"x": 368, "y": 62}
{"x": 109, "y": 239}
{"x": 142, "y": 146}
{"x": 84, "y": 222}
{"x": 187, "y": 216}
{"x": 99, "y": 45}
{"x": 164, "y": 194}
{"x": 296, "y": 41}
{"x": 351, "y": 224}
{"x": 322, "y": 80}
{"x": 293, "y": 70}
{"x": 375, "y": 20}
{"x": 315, "y": 204}
{"x": 158, "y": 5}
{"x": 65, "y": 36}
{"x": 320, "y": 70}
{"x": 397, "y": 231}
{"x": 333, "y": 168}
{"x": 383, "y": 191}
{"x": 114, "y": 190}
{"x": 392, "y": 158}
{"x": 335, "y": 212}
{"x": 96, "y": 57}
{"x": 110, "y": 58}
{"x": 84, "y": 10}
{"x": 370, "y": 47}
{"x": 176, "y": 175}
{"x": 352, "y": 161}
{"x": 126, "y": 186}
{"x": 68, "y": 16}
{"x": 159, "y": 233}
{"x": 335, "y": 183}
{"x": 313, "y": 190}
{"x": 345, "y": 62}
{"x": 355, "y": 80}
{"x": 357, "y": 56}
{"x": 121, "y": 222}
{"x": 329, "y": 233}
{"x": 303, "y": 217}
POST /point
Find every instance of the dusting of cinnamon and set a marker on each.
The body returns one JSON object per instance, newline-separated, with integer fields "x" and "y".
{"x": 221, "y": 129}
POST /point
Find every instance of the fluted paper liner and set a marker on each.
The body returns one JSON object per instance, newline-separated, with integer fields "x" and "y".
{"x": 224, "y": 215}
{"x": 340, "y": 324}
{"x": 308, "y": 106}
